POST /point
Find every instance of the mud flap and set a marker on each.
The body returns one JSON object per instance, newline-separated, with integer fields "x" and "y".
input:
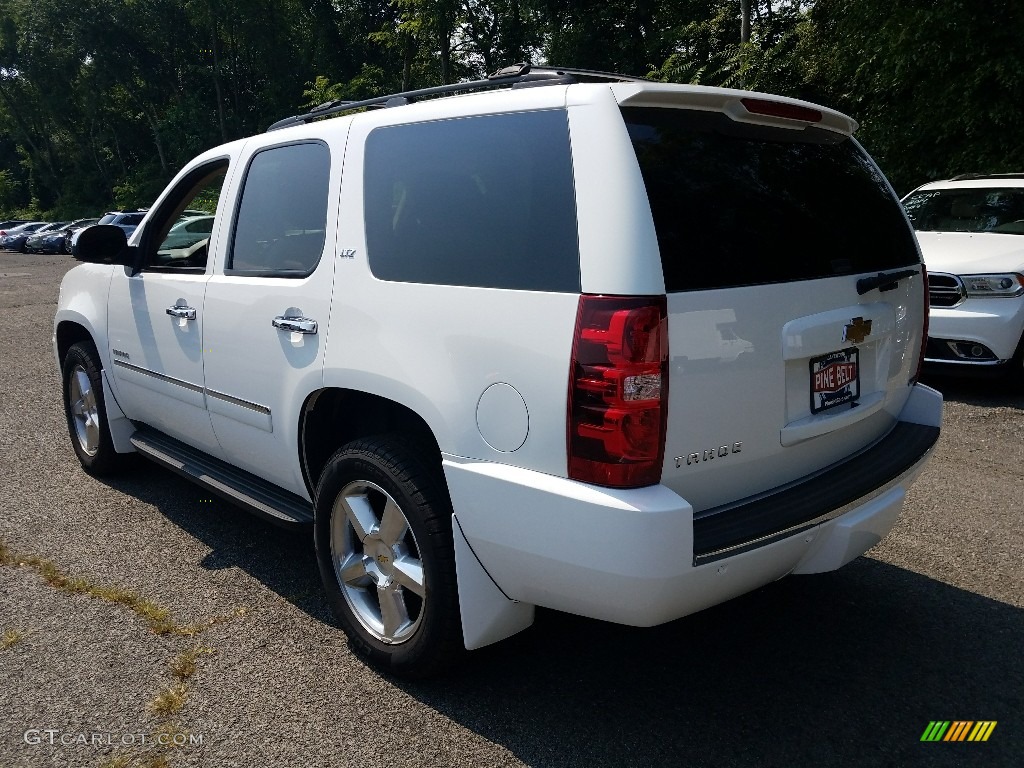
{"x": 488, "y": 615}
{"x": 121, "y": 429}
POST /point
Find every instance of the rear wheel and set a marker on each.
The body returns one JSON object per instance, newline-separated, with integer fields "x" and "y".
{"x": 384, "y": 546}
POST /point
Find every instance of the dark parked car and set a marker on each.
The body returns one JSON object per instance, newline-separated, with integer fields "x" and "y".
{"x": 33, "y": 241}
{"x": 13, "y": 239}
{"x": 55, "y": 239}
{"x": 12, "y": 223}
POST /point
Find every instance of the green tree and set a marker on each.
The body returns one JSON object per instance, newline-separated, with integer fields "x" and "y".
{"x": 935, "y": 83}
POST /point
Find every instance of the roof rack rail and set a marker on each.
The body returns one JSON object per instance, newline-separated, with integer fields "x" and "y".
{"x": 970, "y": 176}
{"x": 515, "y": 76}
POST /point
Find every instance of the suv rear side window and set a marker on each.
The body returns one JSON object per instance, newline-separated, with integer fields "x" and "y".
{"x": 477, "y": 201}
{"x": 737, "y": 204}
{"x": 280, "y": 228}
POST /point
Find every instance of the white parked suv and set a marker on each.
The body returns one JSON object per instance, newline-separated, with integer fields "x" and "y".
{"x": 971, "y": 232}
{"x": 562, "y": 339}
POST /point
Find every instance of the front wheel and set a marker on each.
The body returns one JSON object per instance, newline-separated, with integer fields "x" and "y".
{"x": 384, "y": 546}
{"x": 86, "y": 412}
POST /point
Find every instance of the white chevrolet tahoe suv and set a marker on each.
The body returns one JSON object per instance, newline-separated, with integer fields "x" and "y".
{"x": 971, "y": 233}
{"x": 563, "y": 339}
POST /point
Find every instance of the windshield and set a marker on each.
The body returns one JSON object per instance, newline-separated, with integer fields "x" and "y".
{"x": 967, "y": 210}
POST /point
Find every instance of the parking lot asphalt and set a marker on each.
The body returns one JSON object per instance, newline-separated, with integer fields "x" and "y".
{"x": 135, "y": 611}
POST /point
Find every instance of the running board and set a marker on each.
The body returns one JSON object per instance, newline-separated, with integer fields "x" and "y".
{"x": 252, "y": 493}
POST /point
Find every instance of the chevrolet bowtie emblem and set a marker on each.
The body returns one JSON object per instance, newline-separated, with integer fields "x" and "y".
{"x": 857, "y": 330}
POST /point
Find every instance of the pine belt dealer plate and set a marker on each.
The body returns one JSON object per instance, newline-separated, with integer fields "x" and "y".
{"x": 835, "y": 379}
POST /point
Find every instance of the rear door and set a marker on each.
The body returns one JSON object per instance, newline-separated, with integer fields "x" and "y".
{"x": 779, "y": 364}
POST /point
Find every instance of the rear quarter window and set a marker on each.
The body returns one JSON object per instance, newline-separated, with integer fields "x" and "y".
{"x": 737, "y": 204}
{"x": 478, "y": 201}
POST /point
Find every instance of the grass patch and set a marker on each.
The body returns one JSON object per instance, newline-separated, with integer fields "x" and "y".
{"x": 9, "y": 638}
{"x": 157, "y": 618}
{"x": 169, "y": 701}
{"x": 184, "y": 665}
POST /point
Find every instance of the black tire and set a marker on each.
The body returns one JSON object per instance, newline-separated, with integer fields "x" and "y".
{"x": 95, "y": 450}
{"x": 427, "y": 636}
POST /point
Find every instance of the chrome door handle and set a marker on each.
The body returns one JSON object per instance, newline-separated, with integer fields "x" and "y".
{"x": 295, "y": 324}
{"x": 187, "y": 313}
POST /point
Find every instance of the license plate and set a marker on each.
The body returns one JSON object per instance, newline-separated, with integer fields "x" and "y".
{"x": 835, "y": 379}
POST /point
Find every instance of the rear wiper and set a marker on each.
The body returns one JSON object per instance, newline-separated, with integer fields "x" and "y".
{"x": 883, "y": 281}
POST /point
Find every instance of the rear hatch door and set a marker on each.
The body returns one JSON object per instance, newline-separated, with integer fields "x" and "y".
{"x": 787, "y": 355}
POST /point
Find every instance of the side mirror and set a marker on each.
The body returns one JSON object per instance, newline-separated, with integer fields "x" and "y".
{"x": 102, "y": 244}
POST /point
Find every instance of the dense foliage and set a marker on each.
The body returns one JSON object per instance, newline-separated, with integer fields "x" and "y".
{"x": 101, "y": 101}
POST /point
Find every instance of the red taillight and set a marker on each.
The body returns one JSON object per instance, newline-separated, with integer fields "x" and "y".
{"x": 924, "y": 330}
{"x": 618, "y": 391}
{"x": 782, "y": 109}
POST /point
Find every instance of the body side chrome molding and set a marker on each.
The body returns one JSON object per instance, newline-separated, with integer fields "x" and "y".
{"x": 195, "y": 387}
{"x": 238, "y": 401}
{"x": 161, "y": 376}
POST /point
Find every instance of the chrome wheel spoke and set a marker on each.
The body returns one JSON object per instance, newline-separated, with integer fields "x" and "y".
{"x": 393, "y": 524}
{"x": 360, "y": 514}
{"x": 84, "y": 410}
{"x": 393, "y": 613}
{"x": 84, "y": 388}
{"x": 353, "y": 571}
{"x": 409, "y": 573}
{"x": 92, "y": 434}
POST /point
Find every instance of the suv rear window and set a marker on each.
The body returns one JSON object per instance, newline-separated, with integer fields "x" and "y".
{"x": 967, "y": 210}
{"x": 737, "y": 204}
{"x": 478, "y": 201}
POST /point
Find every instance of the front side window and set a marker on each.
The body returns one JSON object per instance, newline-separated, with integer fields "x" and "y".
{"x": 161, "y": 251}
{"x": 967, "y": 210}
{"x": 281, "y": 224}
{"x": 165, "y": 249}
{"x": 478, "y": 201}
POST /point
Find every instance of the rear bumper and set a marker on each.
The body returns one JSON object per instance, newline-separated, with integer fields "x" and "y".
{"x": 639, "y": 557}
